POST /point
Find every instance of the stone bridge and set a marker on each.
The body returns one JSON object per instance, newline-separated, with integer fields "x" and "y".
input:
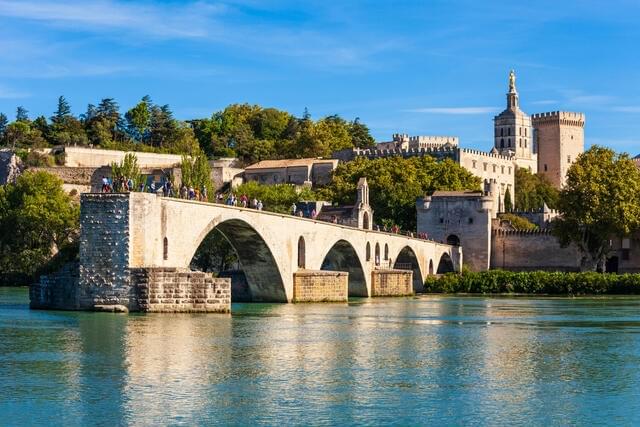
{"x": 124, "y": 232}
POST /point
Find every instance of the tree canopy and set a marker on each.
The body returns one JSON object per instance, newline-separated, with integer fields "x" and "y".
{"x": 250, "y": 132}
{"x": 395, "y": 183}
{"x": 601, "y": 199}
{"x": 37, "y": 218}
{"x": 533, "y": 190}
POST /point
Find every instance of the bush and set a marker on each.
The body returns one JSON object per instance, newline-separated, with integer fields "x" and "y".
{"x": 518, "y": 222}
{"x": 534, "y": 282}
{"x": 38, "y": 160}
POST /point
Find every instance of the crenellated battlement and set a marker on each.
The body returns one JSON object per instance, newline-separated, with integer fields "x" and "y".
{"x": 486, "y": 154}
{"x": 562, "y": 117}
{"x": 505, "y": 232}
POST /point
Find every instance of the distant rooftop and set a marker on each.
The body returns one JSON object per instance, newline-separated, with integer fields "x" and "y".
{"x": 285, "y": 163}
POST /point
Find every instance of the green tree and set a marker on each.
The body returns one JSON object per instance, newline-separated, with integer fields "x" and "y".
{"x": 21, "y": 134}
{"x": 62, "y": 112}
{"x": 22, "y": 115}
{"x": 127, "y": 168}
{"x": 196, "y": 172}
{"x": 508, "y": 206}
{"x": 275, "y": 198}
{"x": 601, "y": 199}
{"x": 395, "y": 183}
{"x": 37, "y": 219}
{"x": 3, "y": 126}
{"x": 533, "y": 191}
{"x": 518, "y": 222}
{"x": 360, "y": 136}
{"x": 139, "y": 119}
{"x": 215, "y": 254}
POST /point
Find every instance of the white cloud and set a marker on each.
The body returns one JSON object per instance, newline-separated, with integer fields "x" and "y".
{"x": 454, "y": 110}
{"x": 183, "y": 21}
{"x": 8, "y": 93}
{"x": 627, "y": 109}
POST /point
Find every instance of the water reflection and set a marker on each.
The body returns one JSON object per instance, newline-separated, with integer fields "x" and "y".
{"x": 402, "y": 361}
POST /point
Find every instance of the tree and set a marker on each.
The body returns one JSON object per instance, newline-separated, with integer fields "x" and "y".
{"x": 129, "y": 169}
{"x": 215, "y": 254}
{"x": 518, "y": 222}
{"x": 601, "y": 199}
{"x": 360, "y": 136}
{"x": 196, "y": 172}
{"x": 508, "y": 206}
{"x": 138, "y": 119}
{"x": 22, "y": 115}
{"x": 395, "y": 183}
{"x": 533, "y": 191}
{"x": 3, "y": 125}
{"x": 37, "y": 219}
{"x": 21, "y": 134}
{"x": 62, "y": 112}
{"x": 276, "y": 198}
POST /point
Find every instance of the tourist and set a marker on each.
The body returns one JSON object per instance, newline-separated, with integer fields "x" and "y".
{"x": 130, "y": 185}
{"x": 141, "y": 187}
{"x": 313, "y": 214}
{"x": 254, "y": 203}
{"x": 300, "y": 213}
{"x": 152, "y": 187}
{"x": 192, "y": 193}
{"x": 184, "y": 193}
{"x": 205, "y": 198}
{"x": 293, "y": 209}
{"x": 105, "y": 184}
{"x": 259, "y": 205}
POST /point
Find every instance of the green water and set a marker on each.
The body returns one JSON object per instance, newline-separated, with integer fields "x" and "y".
{"x": 406, "y": 361}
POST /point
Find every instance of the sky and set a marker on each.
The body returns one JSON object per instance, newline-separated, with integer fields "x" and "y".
{"x": 418, "y": 67}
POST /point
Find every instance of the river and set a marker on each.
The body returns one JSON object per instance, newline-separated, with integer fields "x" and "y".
{"x": 434, "y": 360}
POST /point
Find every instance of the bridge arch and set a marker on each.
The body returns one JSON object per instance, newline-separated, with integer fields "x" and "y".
{"x": 407, "y": 260}
{"x": 343, "y": 257}
{"x": 445, "y": 265}
{"x": 256, "y": 260}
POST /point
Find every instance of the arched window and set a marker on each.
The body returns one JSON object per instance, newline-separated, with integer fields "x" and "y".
{"x": 501, "y": 131}
{"x": 386, "y": 251}
{"x": 520, "y": 131}
{"x": 525, "y": 131}
{"x": 509, "y": 142}
{"x": 365, "y": 221}
{"x": 301, "y": 252}
{"x": 453, "y": 240}
{"x": 502, "y": 143}
{"x": 508, "y": 131}
{"x": 368, "y": 251}
{"x": 377, "y": 259}
{"x": 165, "y": 249}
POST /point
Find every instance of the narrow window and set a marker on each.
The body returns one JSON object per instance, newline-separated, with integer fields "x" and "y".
{"x": 501, "y": 131}
{"x": 377, "y": 259}
{"x": 494, "y": 168}
{"x": 368, "y": 252}
{"x": 484, "y": 167}
{"x": 470, "y": 220}
{"x": 545, "y": 167}
{"x": 474, "y": 164}
{"x": 502, "y": 143}
{"x": 165, "y": 249}
{"x": 568, "y": 159}
{"x": 301, "y": 253}
{"x": 386, "y": 251}
{"x": 509, "y": 132}
{"x": 502, "y": 169}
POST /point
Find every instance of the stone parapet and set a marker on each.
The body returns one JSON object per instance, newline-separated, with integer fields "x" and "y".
{"x": 171, "y": 290}
{"x": 391, "y": 283}
{"x": 320, "y": 286}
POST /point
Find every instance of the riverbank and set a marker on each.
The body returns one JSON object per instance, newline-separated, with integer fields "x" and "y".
{"x": 534, "y": 283}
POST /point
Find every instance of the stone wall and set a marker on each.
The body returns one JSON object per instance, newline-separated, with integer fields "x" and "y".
{"x": 94, "y": 157}
{"x": 391, "y": 283}
{"x": 531, "y": 250}
{"x": 57, "y": 291}
{"x": 320, "y": 286}
{"x": 170, "y": 290}
{"x": 104, "y": 250}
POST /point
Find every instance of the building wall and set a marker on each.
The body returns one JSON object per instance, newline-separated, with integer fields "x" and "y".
{"x": 391, "y": 283}
{"x": 560, "y": 139}
{"x": 94, "y": 157}
{"x": 298, "y": 175}
{"x": 468, "y": 218}
{"x": 531, "y": 250}
{"x": 320, "y": 286}
{"x": 491, "y": 168}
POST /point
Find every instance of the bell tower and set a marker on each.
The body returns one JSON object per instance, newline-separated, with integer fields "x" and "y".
{"x": 513, "y": 132}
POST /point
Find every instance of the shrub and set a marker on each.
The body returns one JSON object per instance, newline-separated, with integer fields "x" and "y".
{"x": 534, "y": 282}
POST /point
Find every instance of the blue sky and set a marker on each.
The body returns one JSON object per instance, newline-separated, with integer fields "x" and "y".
{"x": 418, "y": 67}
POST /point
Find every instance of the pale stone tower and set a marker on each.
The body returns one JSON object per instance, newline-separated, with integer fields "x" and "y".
{"x": 559, "y": 136}
{"x": 362, "y": 208}
{"x": 513, "y": 131}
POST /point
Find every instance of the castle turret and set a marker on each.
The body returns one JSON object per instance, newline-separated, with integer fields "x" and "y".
{"x": 513, "y": 132}
{"x": 363, "y": 209}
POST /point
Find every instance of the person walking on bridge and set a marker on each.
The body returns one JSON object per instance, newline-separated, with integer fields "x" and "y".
{"x": 293, "y": 209}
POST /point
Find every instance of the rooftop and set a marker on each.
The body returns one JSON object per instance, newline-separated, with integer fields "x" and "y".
{"x": 465, "y": 193}
{"x": 286, "y": 163}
